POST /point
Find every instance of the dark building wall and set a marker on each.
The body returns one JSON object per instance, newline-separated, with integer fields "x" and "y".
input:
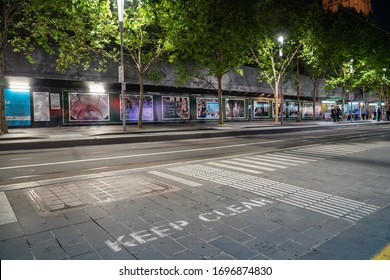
{"x": 42, "y": 76}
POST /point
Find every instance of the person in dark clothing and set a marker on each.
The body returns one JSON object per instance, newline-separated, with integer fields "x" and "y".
{"x": 367, "y": 114}
{"x": 333, "y": 114}
{"x": 379, "y": 114}
{"x": 388, "y": 114}
{"x": 338, "y": 113}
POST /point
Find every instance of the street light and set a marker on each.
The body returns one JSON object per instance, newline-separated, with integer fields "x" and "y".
{"x": 281, "y": 40}
{"x": 383, "y": 90}
{"x": 351, "y": 96}
{"x": 121, "y": 72}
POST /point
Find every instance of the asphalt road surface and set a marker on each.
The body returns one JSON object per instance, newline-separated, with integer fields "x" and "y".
{"x": 320, "y": 194}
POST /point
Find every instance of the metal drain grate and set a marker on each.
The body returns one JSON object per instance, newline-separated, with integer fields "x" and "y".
{"x": 80, "y": 193}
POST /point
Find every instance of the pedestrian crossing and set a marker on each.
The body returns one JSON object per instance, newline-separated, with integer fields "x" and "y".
{"x": 240, "y": 172}
{"x": 320, "y": 202}
{"x": 7, "y": 215}
{"x": 260, "y": 163}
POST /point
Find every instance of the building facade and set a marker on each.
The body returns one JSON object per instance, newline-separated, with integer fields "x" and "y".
{"x": 363, "y": 6}
{"x": 37, "y": 95}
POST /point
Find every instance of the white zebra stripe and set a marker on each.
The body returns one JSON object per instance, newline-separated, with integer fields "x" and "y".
{"x": 176, "y": 179}
{"x": 7, "y": 215}
{"x": 234, "y": 167}
{"x": 248, "y": 165}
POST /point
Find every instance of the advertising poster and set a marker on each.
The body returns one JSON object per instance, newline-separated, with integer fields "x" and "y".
{"x": 89, "y": 107}
{"x": 260, "y": 109}
{"x": 307, "y": 109}
{"x": 235, "y": 108}
{"x": 279, "y": 107}
{"x": 207, "y": 108}
{"x": 174, "y": 108}
{"x": 132, "y": 107}
{"x": 17, "y": 107}
{"x": 41, "y": 106}
{"x": 292, "y": 109}
{"x": 55, "y": 102}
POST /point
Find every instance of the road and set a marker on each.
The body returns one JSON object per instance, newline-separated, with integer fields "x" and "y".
{"x": 302, "y": 195}
{"x": 24, "y": 166}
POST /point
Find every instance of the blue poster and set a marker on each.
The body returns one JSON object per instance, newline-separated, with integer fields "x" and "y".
{"x": 17, "y": 107}
{"x": 132, "y": 107}
{"x": 208, "y": 108}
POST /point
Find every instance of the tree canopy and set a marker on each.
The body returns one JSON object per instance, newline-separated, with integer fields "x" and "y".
{"x": 213, "y": 38}
{"x": 205, "y": 39}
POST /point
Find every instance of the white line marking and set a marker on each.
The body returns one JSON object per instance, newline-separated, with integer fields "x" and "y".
{"x": 301, "y": 152}
{"x": 14, "y": 159}
{"x": 248, "y": 165}
{"x": 176, "y": 179}
{"x": 234, "y": 167}
{"x": 7, "y": 215}
{"x": 139, "y": 155}
{"x": 275, "y": 160}
{"x": 295, "y": 157}
{"x": 23, "y": 177}
{"x": 259, "y": 162}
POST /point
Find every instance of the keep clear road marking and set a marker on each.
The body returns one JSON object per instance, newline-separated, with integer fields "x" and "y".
{"x": 7, "y": 215}
{"x": 139, "y": 155}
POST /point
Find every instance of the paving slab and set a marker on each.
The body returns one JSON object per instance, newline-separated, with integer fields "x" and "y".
{"x": 48, "y": 250}
{"x": 10, "y": 231}
{"x": 14, "y": 249}
{"x": 200, "y": 247}
{"x": 233, "y": 248}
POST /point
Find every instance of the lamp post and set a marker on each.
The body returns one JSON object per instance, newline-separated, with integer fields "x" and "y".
{"x": 121, "y": 72}
{"x": 281, "y": 40}
{"x": 351, "y": 96}
{"x": 383, "y": 91}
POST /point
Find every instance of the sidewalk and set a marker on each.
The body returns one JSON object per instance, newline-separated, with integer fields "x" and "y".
{"x": 69, "y": 136}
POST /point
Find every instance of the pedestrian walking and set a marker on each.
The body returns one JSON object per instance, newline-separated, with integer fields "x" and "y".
{"x": 388, "y": 114}
{"x": 379, "y": 114}
{"x": 333, "y": 114}
{"x": 338, "y": 113}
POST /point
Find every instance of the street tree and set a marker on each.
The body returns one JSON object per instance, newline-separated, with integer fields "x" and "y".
{"x": 373, "y": 71}
{"x": 314, "y": 41}
{"x": 273, "y": 62}
{"x": 212, "y": 38}
{"x": 276, "y": 46}
{"x": 8, "y": 11}
{"x": 350, "y": 43}
{"x": 146, "y": 38}
{"x": 51, "y": 25}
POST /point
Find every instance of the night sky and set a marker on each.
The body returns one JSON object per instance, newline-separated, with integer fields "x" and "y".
{"x": 381, "y": 11}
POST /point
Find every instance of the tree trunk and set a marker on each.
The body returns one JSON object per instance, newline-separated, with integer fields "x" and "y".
{"x": 315, "y": 97}
{"x": 3, "y": 124}
{"x": 276, "y": 109}
{"x": 298, "y": 93}
{"x": 219, "y": 79}
{"x": 141, "y": 98}
{"x": 343, "y": 103}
